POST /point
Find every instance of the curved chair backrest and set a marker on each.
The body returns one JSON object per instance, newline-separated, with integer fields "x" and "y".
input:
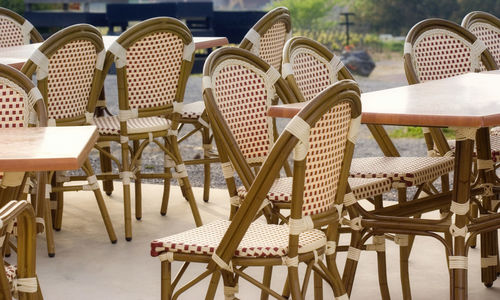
{"x": 153, "y": 61}
{"x": 267, "y": 37}
{"x": 21, "y": 103}
{"x": 68, "y": 69}
{"x": 487, "y": 28}
{"x": 309, "y": 67}
{"x": 437, "y": 49}
{"x": 16, "y": 30}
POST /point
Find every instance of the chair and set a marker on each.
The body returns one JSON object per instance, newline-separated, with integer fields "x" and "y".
{"x": 309, "y": 67}
{"x": 319, "y": 180}
{"x": 16, "y": 30}
{"x": 19, "y": 281}
{"x": 153, "y": 61}
{"x": 68, "y": 68}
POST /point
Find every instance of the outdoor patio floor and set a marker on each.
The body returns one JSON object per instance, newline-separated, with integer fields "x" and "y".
{"x": 88, "y": 266}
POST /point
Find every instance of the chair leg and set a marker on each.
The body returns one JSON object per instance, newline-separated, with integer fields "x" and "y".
{"x": 404, "y": 253}
{"x": 166, "y": 280}
{"x": 318, "y": 287}
{"x": 205, "y": 132}
{"x": 58, "y": 213}
{"x": 126, "y": 191}
{"x": 294, "y": 283}
{"x": 138, "y": 187}
{"x": 212, "y": 287}
{"x": 268, "y": 271}
{"x": 107, "y": 184}
{"x": 166, "y": 184}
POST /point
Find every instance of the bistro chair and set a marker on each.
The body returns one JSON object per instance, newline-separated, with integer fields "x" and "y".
{"x": 16, "y": 30}
{"x": 68, "y": 68}
{"x": 153, "y": 61}
{"x": 231, "y": 246}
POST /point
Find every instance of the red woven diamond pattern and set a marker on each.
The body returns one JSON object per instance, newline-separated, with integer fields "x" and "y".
{"x": 242, "y": 99}
{"x": 10, "y": 33}
{"x": 271, "y": 45}
{"x": 440, "y": 55}
{"x": 490, "y": 35}
{"x": 71, "y": 70}
{"x": 153, "y": 69}
{"x": 11, "y": 273}
{"x": 12, "y": 106}
{"x": 311, "y": 74}
{"x": 327, "y": 143}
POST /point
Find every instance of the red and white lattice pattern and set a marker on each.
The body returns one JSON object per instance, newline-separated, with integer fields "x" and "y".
{"x": 10, "y": 32}
{"x": 243, "y": 98}
{"x": 153, "y": 69}
{"x": 14, "y": 107}
{"x": 271, "y": 45}
{"x": 440, "y": 54}
{"x": 71, "y": 71}
{"x": 490, "y": 35}
{"x": 327, "y": 143}
{"x": 495, "y": 147}
{"x": 412, "y": 171}
{"x": 111, "y": 125}
{"x": 312, "y": 72}
{"x": 260, "y": 240}
{"x": 193, "y": 110}
{"x": 11, "y": 273}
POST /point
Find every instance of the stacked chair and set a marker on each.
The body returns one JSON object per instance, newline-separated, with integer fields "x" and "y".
{"x": 16, "y": 30}
{"x": 320, "y": 138}
{"x": 68, "y": 68}
{"x": 153, "y": 61}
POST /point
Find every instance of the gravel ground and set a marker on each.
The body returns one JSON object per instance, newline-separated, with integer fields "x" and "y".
{"x": 389, "y": 73}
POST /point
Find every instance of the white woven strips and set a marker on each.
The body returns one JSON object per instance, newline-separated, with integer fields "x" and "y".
{"x": 337, "y": 65}
{"x": 124, "y": 115}
{"x": 432, "y": 153}
{"x": 42, "y": 62}
{"x": 178, "y": 107}
{"x": 297, "y": 226}
{"x": 353, "y": 253}
{"x": 352, "y": 135}
{"x": 477, "y": 48}
{"x": 12, "y": 179}
{"x": 254, "y": 38}
{"x": 485, "y": 164}
{"x": 301, "y": 130}
{"x": 331, "y": 247}
{"x": 123, "y": 139}
{"x": 206, "y": 125}
{"x": 188, "y": 51}
{"x": 33, "y": 96}
{"x": 93, "y": 185}
{"x": 120, "y": 54}
{"x": 101, "y": 56}
{"x": 150, "y": 139}
{"x": 408, "y": 48}
{"x": 167, "y": 256}
{"x": 125, "y": 176}
{"x": 180, "y": 171}
{"x": 339, "y": 208}
{"x": 48, "y": 190}
{"x": 227, "y": 170}
{"x": 455, "y": 231}
{"x": 286, "y": 70}
{"x": 89, "y": 117}
{"x": 206, "y": 83}
{"x": 343, "y": 297}
{"x": 168, "y": 162}
{"x": 25, "y": 285}
{"x": 355, "y": 224}
{"x": 230, "y": 292}
{"x": 378, "y": 244}
{"x": 426, "y": 130}
{"x": 401, "y": 240}
{"x": 222, "y": 264}
{"x": 465, "y": 133}
{"x": 26, "y": 31}
{"x": 235, "y": 201}
{"x": 458, "y": 262}
{"x": 349, "y": 199}
{"x": 51, "y": 122}
{"x": 172, "y": 132}
{"x": 489, "y": 261}
{"x": 272, "y": 75}
{"x": 459, "y": 208}
{"x": 290, "y": 261}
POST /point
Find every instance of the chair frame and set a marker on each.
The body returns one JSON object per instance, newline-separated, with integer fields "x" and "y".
{"x": 35, "y": 36}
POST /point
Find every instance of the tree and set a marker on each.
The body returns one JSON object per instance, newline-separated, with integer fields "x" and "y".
{"x": 308, "y": 14}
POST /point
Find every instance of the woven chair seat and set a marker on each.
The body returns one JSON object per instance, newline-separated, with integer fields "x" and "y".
{"x": 111, "y": 125}
{"x": 281, "y": 190}
{"x": 411, "y": 171}
{"x": 261, "y": 240}
{"x": 193, "y": 110}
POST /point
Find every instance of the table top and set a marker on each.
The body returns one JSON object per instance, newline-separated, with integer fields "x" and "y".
{"x": 16, "y": 56}
{"x": 45, "y": 148}
{"x": 468, "y": 100}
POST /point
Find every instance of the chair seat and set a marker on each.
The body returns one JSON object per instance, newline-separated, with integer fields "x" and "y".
{"x": 261, "y": 240}
{"x": 411, "y": 171}
{"x": 111, "y": 125}
{"x": 193, "y": 110}
{"x": 281, "y": 190}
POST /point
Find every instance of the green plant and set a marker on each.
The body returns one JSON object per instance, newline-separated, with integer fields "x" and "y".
{"x": 308, "y": 14}
{"x": 416, "y": 132}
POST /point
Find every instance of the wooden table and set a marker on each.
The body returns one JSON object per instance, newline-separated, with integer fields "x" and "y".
{"x": 18, "y": 55}
{"x": 466, "y": 101}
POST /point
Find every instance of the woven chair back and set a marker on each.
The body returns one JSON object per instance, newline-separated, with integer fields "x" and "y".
{"x": 309, "y": 67}
{"x": 16, "y": 30}
{"x": 487, "y": 28}
{"x": 68, "y": 69}
{"x": 436, "y": 49}
{"x": 20, "y": 100}
{"x": 268, "y": 36}
{"x": 153, "y": 60}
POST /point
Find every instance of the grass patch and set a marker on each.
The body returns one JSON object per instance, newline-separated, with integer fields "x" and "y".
{"x": 416, "y": 133}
